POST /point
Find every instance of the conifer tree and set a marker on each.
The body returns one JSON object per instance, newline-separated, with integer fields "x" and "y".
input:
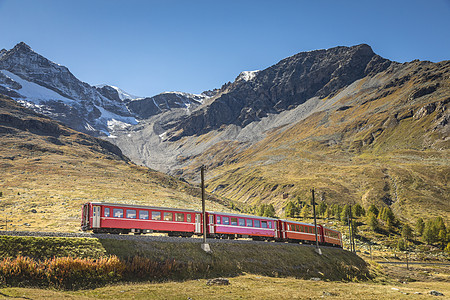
{"x": 322, "y": 208}
{"x": 269, "y": 211}
{"x": 290, "y": 210}
{"x": 373, "y": 209}
{"x": 346, "y": 213}
{"x": 358, "y": 210}
{"x": 373, "y": 222}
{"x": 407, "y": 232}
{"x": 420, "y": 226}
{"x": 306, "y": 211}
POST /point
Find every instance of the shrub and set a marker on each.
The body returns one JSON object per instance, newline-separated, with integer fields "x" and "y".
{"x": 401, "y": 245}
{"x": 75, "y": 273}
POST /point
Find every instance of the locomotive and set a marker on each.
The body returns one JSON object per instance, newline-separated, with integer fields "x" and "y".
{"x": 117, "y": 218}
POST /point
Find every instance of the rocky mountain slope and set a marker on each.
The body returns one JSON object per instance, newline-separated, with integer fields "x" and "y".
{"x": 52, "y": 89}
{"x": 50, "y": 170}
{"x": 282, "y": 87}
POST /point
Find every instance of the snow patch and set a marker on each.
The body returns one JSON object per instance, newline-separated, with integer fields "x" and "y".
{"x": 34, "y": 92}
{"x": 114, "y": 121}
{"x": 247, "y": 75}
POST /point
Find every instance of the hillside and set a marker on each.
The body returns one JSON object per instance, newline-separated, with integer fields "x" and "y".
{"x": 384, "y": 139}
{"x": 378, "y": 135}
{"x": 50, "y": 170}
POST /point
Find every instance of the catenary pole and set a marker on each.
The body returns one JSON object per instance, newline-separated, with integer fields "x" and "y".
{"x": 315, "y": 222}
{"x": 205, "y": 246}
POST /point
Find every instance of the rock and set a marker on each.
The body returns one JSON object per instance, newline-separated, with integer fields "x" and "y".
{"x": 287, "y": 84}
{"x": 315, "y": 279}
{"x": 436, "y": 293}
{"x": 218, "y": 281}
{"x": 325, "y": 293}
{"x": 34, "y": 211}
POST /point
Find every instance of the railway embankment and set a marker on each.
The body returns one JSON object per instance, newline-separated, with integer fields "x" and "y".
{"x": 173, "y": 259}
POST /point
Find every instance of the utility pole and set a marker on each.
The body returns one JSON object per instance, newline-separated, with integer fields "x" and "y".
{"x": 205, "y": 246}
{"x": 350, "y": 234}
{"x": 315, "y": 222}
{"x": 353, "y": 233}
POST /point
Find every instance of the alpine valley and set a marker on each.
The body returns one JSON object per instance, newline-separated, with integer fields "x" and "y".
{"x": 357, "y": 127}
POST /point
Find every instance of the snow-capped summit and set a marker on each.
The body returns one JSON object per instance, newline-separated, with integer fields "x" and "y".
{"x": 52, "y": 89}
{"x": 247, "y": 75}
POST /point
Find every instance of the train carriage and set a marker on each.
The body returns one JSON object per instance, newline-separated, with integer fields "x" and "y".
{"x": 299, "y": 231}
{"x": 331, "y": 237}
{"x": 226, "y": 225}
{"x": 122, "y": 218}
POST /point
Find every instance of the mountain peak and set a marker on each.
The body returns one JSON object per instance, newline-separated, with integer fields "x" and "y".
{"x": 22, "y": 47}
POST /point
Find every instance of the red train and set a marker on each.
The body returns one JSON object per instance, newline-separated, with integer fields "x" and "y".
{"x": 123, "y": 218}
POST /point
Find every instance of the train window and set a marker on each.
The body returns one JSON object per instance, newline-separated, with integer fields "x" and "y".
{"x": 179, "y": 217}
{"x": 131, "y": 214}
{"x": 188, "y": 218}
{"x": 106, "y": 212}
{"x": 226, "y": 220}
{"x": 257, "y": 223}
{"x": 241, "y": 222}
{"x": 297, "y": 228}
{"x": 156, "y": 215}
{"x": 270, "y": 224}
{"x": 143, "y": 214}
{"x": 168, "y": 216}
{"x": 118, "y": 213}
{"x": 264, "y": 224}
{"x": 218, "y": 219}
{"x": 233, "y": 221}
{"x": 249, "y": 223}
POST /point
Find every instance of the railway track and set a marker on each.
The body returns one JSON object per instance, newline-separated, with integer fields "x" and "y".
{"x": 147, "y": 238}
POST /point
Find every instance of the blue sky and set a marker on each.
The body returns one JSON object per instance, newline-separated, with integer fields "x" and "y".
{"x": 148, "y": 47}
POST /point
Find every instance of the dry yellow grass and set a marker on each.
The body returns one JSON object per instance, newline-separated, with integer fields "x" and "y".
{"x": 243, "y": 287}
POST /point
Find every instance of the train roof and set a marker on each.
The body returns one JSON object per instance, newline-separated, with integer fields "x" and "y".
{"x": 331, "y": 229}
{"x": 296, "y": 222}
{"x": 144, "y": 207}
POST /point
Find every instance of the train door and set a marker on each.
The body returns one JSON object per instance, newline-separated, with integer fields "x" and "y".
{"x": 283, "y": 229}
{"x": 198, "y": 223}
{"x": 96, "y": 217}
{"x": 211, "y": 224}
